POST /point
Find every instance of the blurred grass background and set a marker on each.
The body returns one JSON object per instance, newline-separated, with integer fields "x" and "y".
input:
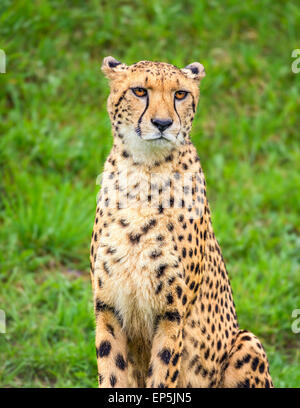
{"x": 55, "y": 136}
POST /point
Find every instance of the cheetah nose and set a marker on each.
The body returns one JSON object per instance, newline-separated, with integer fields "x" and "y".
{"x": 162, "y": 124}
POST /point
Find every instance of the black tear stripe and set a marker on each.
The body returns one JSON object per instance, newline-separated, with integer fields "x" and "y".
{"x": 138, "y": 128}
{"x": 193, "y": 104}
{"x": 177, "y": 112}
{"x": 179, "y": 120}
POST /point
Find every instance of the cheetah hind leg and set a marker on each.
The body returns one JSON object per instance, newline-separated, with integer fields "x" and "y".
{"x": 247, "y": 364}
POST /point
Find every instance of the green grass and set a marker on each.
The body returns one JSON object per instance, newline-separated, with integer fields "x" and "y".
{"x": 55, "y": 135}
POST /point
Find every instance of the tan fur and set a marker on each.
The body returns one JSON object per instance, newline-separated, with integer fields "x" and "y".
{"x": 165, "y": 316}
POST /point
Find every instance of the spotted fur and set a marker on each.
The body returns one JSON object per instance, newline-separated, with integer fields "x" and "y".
{"x": 165, "y": 315}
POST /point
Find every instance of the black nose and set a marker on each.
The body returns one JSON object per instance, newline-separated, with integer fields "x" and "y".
{"x": 162, "y": 124}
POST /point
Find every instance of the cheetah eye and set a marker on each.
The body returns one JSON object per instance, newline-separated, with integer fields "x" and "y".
{"x": 180, "y": 95}
{"x": 139, "y": 92}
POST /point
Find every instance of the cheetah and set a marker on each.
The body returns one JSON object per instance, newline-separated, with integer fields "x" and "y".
{"x": 165, "y": 315}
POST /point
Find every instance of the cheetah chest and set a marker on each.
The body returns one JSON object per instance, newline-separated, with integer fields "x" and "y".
{"x": 133, "y": 263}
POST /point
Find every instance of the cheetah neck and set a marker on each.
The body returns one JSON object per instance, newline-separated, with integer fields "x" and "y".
{"x": 155, "y": 155}
{"x": 171, "y": 182}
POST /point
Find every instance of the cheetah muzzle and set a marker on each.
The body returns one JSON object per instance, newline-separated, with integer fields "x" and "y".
{"x": 165, "y": 315}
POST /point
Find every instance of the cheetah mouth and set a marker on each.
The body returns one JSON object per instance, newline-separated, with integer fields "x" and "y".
{"x": 161, "y": 136}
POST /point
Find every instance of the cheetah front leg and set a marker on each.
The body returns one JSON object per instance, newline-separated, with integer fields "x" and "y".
{"x": 111, "y": 348}
{"x": 166, "y": 351}
{"x": 247, "y": 365}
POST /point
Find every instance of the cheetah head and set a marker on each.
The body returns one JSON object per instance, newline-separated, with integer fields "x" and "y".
{"x": 152, "y": 105}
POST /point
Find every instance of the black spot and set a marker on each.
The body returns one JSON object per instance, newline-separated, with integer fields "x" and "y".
{"x": 155, "y": 254}
{"x": 149, "y": 225}
{"x": 101, "y": 306}
{"x": 123, "y": 222}
{"x": 125, "y": 154}
{"x": 104, "y": 349}
{"x": 169, "y": 298}
{"x": 120, "y": 362}
{"x": 254, "y": 363}
{"x": 134, "y": 238}
{"x": 100, "y": 376}
{"x": 246, "y": 338}
{"x": 170, "y": 226}
{"x": 175, "y": 375}
{"x": 172, "y": 316}
{"x": 204, "y": 373}
{"x": 165, "y": 355}
{"x": 184, "y": 299}
{"x": 247, "y": 358}
{"x": 198, "y": 369}
{"x": 160, "y": 209}
{"x": 239, "y": 364}
{"x": 113, "y": 380}
{"x": 171, "y": 280}
{"x": 106, "y": 268}
{"x": 150, "y": 371}
{"x": 175, "y": 359}
{"x": 179, "y": 291}
{"x": 219, "y": 345}
{"x": 160, "y": 270}
{"x": 262, "y": 368}
{"x": 159, "y": 288}
{"x": 244, "y": 384}
{"x": 224, "y": 356}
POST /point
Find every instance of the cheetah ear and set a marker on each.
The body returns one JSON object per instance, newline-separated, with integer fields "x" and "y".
{"x": 112, "y": 67}
{"x": 195, "y": 70}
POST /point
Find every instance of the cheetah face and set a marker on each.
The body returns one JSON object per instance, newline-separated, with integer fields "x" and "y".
{"x": 152, "y": 104}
